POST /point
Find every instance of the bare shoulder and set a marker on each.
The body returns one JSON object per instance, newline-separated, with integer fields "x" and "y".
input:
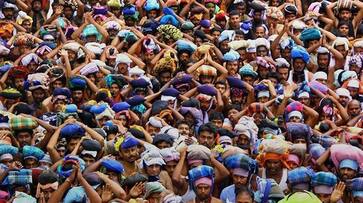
{"x": 216, "y": 200}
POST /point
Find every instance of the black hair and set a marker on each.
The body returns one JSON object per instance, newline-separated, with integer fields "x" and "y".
{"x": 221, "y": 82}
{"x": 244, "y": 189}
{"x": 233, "y": 13}
{"x": 273, "y": 75}
{"x": 215, "y": 115}
{"x": 17, "y": 132}
{"x": 233, "y": 106}
{"x": 209, "y": 127}
{"x": 181, "y": 122}
{"x": 216, "y": 29}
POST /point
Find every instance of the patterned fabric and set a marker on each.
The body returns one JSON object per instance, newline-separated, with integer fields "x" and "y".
{"x": 324, "y": 178}
{"x": 21, "y": 123}
{"x": 21, "y": 177}
{"x": 207, "y": 70}
{"x": 300, "y": 175}
{"x": 200, "y": 172}
{"x": 298, "y": 131}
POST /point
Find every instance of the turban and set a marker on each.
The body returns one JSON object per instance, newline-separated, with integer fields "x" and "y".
{"x": 95, "y": 47}
{"x": 114, "y": 3}
{"x": 170, "y": 154}
{"x": 112, "y": 25}
{"x": 238, "y": 44}
{"x": 247, "y": 70}
{"x": 300, "y": 52}
{"x": 184, "y": 45}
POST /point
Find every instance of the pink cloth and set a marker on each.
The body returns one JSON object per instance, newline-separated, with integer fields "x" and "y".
{"x": 340, "y": 152}
{"x": 206, "y": 181}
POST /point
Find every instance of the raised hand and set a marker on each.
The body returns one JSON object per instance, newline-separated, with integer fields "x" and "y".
{"x": 337, "y": 192}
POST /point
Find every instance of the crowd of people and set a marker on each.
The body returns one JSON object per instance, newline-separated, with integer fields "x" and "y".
{"x": 171, "y": 101}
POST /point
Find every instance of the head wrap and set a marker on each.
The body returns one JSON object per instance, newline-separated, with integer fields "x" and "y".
{"x": 153, "y": 187}
{"x": 300, "y": 52}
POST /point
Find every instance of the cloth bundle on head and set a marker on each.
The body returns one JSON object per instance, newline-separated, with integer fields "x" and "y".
{"x": 126, "y": 143}
{"x": 6, "y": 30}
{"x": 273, "y": 149}
{"x": 26, "y": 60}
{"x": 298, "y": 52}
{"x": 10, "y": 93}
{"x": 166, "y": 64}
{"x": 112, "y": 166}
{"x": 4, "y": 50}
{"x": 151, "y": 157}
{"x": 262, "y": 62}
{"x": 185, "y": 46}
{"x": 339, "y": 41}
{"x": 64, "y": 171}
{"x": 207, "y": 70}
{"x": 356, "y": 186}
{"x": 262, "y": 42}
{"x": 77, "y": 83}
{"x": 96, "y": 48}
{"x": 7, "y": 149}
{"x": 343, "y": 152}
{"x": 19, "y": 177}
{"x": 247, "y": 70}
{"x": 227, "y": 35}
{"x": 37, "y": 80}
{"x": 102, "y": 110}
{"x": 19, "y": 72}
{"x": 170, "y": 154}
{"x": 72, "y": 131}
{"x": 231, "y": 55}
{"x": 267, "y": 189}
{"x": 238, "y": 44}
{"x": 324, "y": 182}
{"x": 198, "y": 153}
{"x": 112, "y": 25}
{"x": 274, "y": 13}
{"x": 170, "y": 32}
{"x": 89, "y": 69}
{"x": 32, "y": 152}
{"x": 300, "y": 178}
{"x": 241, "y": 164}
{"x": 153, "y": 187}
{"x": 310, "y": 34}
{"x": 61, "y": 93}
{"x": 201, "y": 175}
{"x": 115, "y": 3}
{"x": 91, "y": 30}
{"x": 298, "y": 131}
{"x": 22, "y": 123}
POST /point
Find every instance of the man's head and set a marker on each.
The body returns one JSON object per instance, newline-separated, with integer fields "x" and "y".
{"x": 239, "y": 177}
{"x": 203, "y": 188}
{"x": 273, "y": 166}
{"x": 24, "y": 137}
{"x": 354, "y": 108}
{"x": 234, "y": 19}
{"x": 77, "y": 95}
{"x": 348, "y": 169}
{"x": 39, "y": 95}
{"x": 207, "y": 135}
{"x": 323, "y": 61}
{"x": 184, "y": 128}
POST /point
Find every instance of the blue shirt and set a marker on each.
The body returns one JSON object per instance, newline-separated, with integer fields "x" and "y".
{"x": 228, "y": 194}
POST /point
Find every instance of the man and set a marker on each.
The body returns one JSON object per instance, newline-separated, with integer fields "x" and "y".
{"x": 240, "y": 175}
{"x": 348, "y": 169}
{"x": 128, "y": 154}
{"x": 323, "y": 185}
{"x": 207, "y": 135}
{"x": 201, "y": 179}
{"x": 300, "y": 58}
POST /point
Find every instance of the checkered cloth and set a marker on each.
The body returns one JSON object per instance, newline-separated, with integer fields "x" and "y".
{"x": 21, "y": 177}
{"x": 21, "y": 123}
{"x": 241, "y": 161}
{"x": 324, "y": 178}
{"x": 300, "y": 175}
{"x": 357, "y": 184}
